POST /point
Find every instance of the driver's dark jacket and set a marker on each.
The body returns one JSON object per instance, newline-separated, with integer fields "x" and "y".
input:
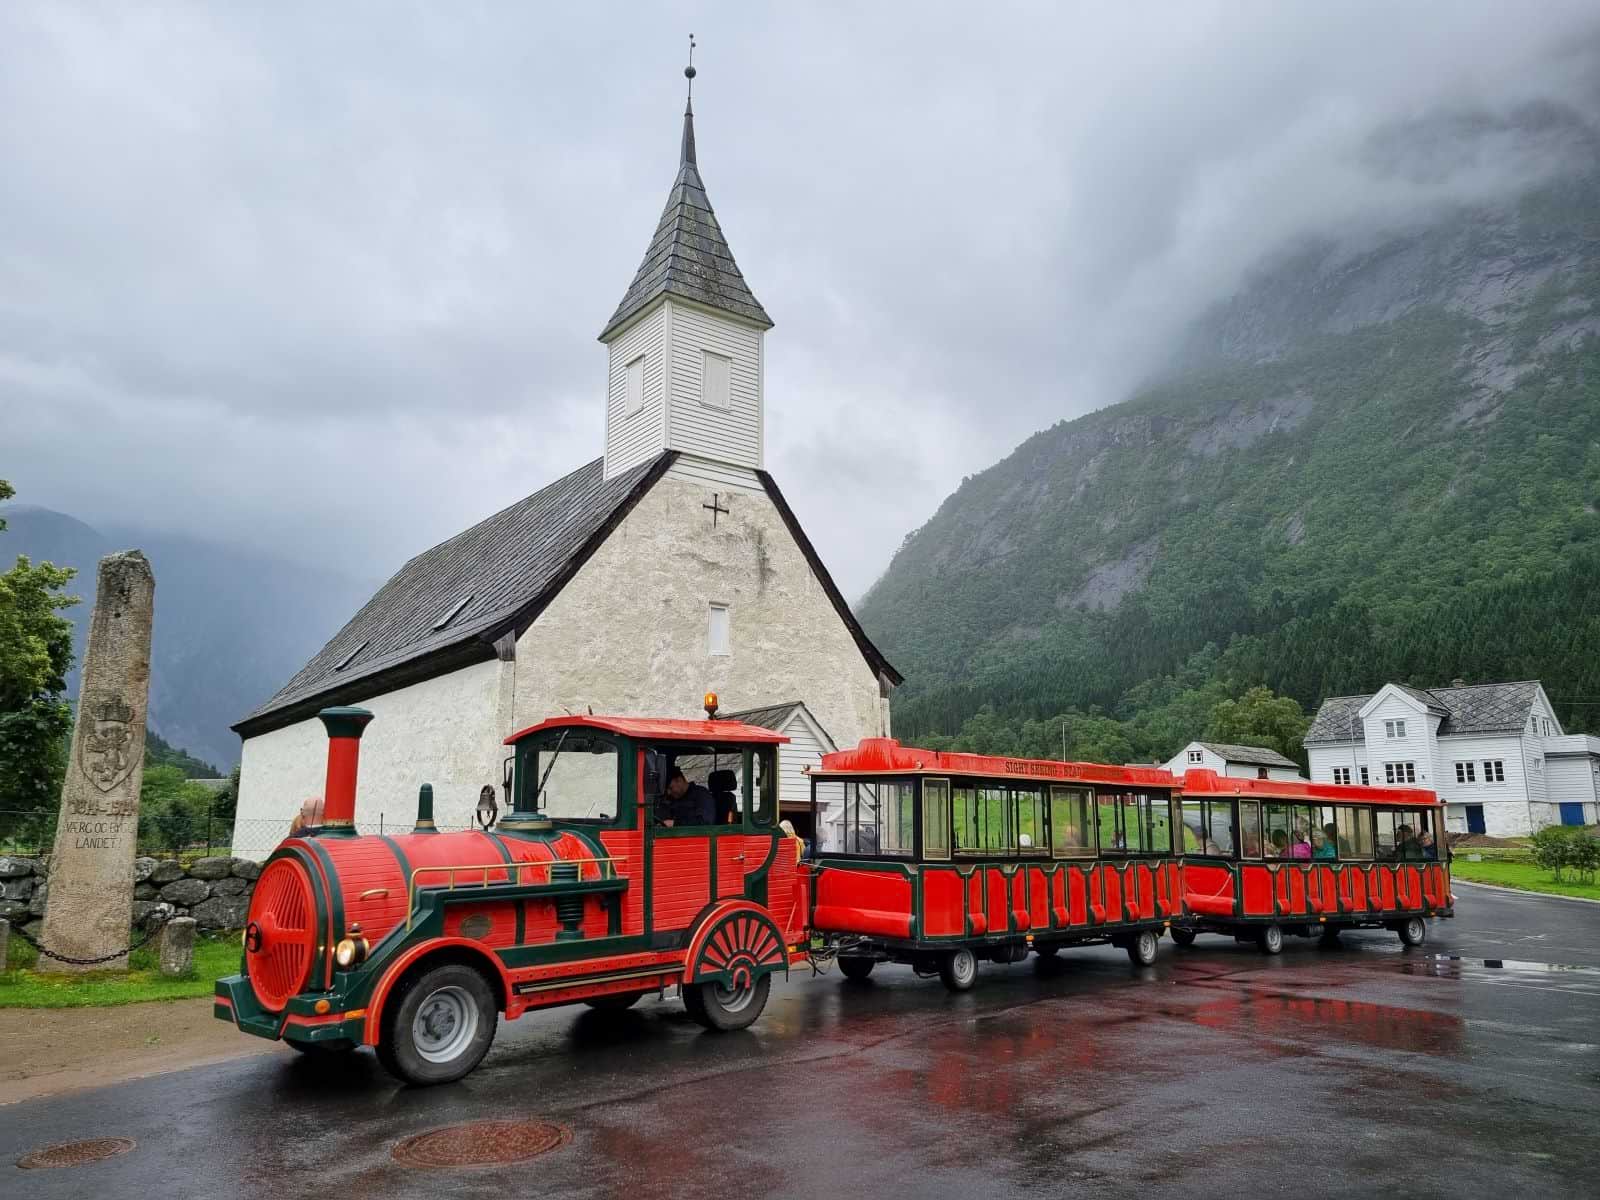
{"x": 695, "y": 807}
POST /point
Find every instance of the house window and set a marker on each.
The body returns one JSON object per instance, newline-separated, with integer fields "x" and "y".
{"x": 1494, "y": 770}
{"x": 1196, "y": 756}
{"x": 635, "y": 386}
{"x": 717, "y": 630}
{"x": 1365, "y": 778}
{"x": 714, "y": 379}
{"x": 1399, "y": 772}
{"x": 1394, "y": 729}
{"x": 1341, "y": 775}
{"x": 1466, "y": 772}
{"x": 1261, "y": 772}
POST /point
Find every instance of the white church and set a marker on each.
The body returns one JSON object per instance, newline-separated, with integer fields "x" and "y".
{"x": 669, "y": 567}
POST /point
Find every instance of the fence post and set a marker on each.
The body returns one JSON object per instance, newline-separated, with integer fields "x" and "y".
{"x": 210, "y": 807}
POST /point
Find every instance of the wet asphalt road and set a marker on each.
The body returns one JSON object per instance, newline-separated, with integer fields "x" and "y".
{"x": 1365, "y": 1070}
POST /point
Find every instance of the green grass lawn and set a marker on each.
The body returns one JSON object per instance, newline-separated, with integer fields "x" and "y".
{"x": 23, "y": 987}
{"x": 1526, "y": 876}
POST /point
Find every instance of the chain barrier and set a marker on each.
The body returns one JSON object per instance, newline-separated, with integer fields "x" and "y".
{"x": 161, "y": 918}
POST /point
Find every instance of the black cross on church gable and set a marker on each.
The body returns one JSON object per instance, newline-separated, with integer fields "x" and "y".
{"x": 716, "y": 507}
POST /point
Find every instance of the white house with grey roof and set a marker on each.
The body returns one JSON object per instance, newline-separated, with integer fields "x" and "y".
{"x": 1495, "y": 753}
{"x": 1242, "y": 762}
{"x": 668, "y": 567}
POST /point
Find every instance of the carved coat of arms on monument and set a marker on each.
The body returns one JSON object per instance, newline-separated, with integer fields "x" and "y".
{"x": 105, "y": 752}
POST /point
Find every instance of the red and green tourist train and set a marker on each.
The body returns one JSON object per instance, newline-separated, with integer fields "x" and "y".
{"x": 641, "y": 854}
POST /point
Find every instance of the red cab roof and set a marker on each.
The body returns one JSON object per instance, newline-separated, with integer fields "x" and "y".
{"x": 886, "y": 756}
{"x": 1209, "y": 783}
{"x": 659, "y": 729}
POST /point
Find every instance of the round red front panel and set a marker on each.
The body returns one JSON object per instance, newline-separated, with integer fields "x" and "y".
{"x": 281, "y": 937}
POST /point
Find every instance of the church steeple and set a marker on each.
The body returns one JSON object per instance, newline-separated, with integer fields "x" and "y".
{"x": 686, "y": 341}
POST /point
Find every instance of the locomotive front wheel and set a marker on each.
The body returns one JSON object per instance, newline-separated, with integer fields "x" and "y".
{"x": 1270, "y": 939}
{"x": 727, "y": 1006}
{"x": 959, "y": 970}
{"x": 1413, "y": 931}
{"x": 438, "y": 1026}
{"x": 856, "y": 968}
{"x": 1182, "y": 937}
{"x": 1142, "y": 949}
{"x": 616, "y": 1001}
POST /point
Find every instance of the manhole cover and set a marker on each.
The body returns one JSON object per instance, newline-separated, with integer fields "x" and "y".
{"x": 73, "y": 1154}
{"x": 481, "y": 1143}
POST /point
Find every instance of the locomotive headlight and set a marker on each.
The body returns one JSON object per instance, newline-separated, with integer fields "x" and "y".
{"x": 350, "y": 952}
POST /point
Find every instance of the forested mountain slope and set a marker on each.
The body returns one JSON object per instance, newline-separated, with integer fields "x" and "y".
{"x": 1373, "y": 463}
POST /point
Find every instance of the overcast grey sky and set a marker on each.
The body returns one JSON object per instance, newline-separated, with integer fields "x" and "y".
{"x": 326, "y": 278}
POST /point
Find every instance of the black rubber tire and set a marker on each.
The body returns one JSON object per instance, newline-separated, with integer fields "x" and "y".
{"x": 323, "y": 1049}
{"x": 616, "y": 1001}
{"x": 712, "y": 1011}
{"x": 397, "y": 1049}
{"x": 1270, "y": 939}
{"x": 856, "y": 969}
{"x": 958, "y": 970}
{"x": 1142, "y": 948}
{"x": 1182, "y": 937}
{"x": 1413, "y": 931}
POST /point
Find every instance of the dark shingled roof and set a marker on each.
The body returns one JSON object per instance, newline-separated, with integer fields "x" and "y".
{"x": 505, "y": 567}
{"x": 688, "y": 256}
{"x": 1474, "y": 708}
{"x": 1254, "y": 755}
{"x": 769, "y": 716}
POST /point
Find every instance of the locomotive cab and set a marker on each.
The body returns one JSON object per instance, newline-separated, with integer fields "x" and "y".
{"x": 586, "y": 890}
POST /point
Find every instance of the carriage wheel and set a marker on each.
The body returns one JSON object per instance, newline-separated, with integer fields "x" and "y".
{"x": 1183, "y": 937}
{"x": 856, "y": 969}
{"x": 727, "y": 1006}
{"x": 616, "y": 1001}
{"x": 438, "y": 1025}
{"x": 1142, "y": 949}
{"x": 959, "y": 970}
{"x": 1270, "y": 939}
{"x": 1413, "y": 931}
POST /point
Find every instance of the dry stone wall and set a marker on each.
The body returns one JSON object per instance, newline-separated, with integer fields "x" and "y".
{"x": 214, "y": 891}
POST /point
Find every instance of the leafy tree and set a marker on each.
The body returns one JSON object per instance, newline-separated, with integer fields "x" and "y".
{"x": 172, "y": 808}
{"x": 1261, "y": 718}
{"x": 35, "y": 655}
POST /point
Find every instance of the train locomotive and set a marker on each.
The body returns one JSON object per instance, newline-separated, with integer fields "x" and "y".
{"x": 585, "y": 891}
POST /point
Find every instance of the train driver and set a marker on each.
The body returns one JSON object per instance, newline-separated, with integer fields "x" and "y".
{"x": 688, "y": 803}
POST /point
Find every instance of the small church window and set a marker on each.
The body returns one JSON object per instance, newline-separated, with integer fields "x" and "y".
{"x": 351, "y": 657}
{"x": 717, "y": 633}
{"x": 454, "y": 612}
{"x": 635, "y": 386}
{"x": 715, "y": 380}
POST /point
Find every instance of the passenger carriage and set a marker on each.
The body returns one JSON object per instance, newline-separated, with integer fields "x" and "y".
{"x": 1266, "y": 857}
{"x": 416, "y": 943}
{"x": 940, "y": 859}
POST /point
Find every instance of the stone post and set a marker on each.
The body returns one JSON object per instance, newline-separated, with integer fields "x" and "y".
{"x": 177, "y": 947}
{"x": 90, "y": 905}
{"x": 5, "y": 941}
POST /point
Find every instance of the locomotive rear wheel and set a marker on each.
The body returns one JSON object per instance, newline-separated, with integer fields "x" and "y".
{"x": 438, "y": 1026}
{"x": 616, "y": 1001}
{"x": 1413, "y": 931}
{"x": 1142, "y": 949}
{"x": 725, "y": 1007}
{"x": 1270, "y": 939}
{"x": 959, "y": 970}
{"x": 1182, "y": 937}
{"x": 856, "y": 969}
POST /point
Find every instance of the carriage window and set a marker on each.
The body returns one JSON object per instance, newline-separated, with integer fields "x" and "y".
{"x": 1324, "y": 833}
{"x": 936, "y": 818}
{"x": 1405, "y": 835}
{"x": 994, "y": 815}
{"x": 1249, "y": 829}
{"x": 1031, "y": 838}
{"x": 1354, "y": 827}
{"x": 1287, "y": 831}
{"x": 1072, "y": 822}
{"x": 964, "y": 824}
{"x": 575, "y": 777}
{"x": 1134, "y": 823}
{"x": 1208, "y": 828}
{"x": 878, "y": 818}
{"x": 1157, "y": 825}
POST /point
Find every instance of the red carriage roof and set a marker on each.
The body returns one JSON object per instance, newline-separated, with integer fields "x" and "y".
{"x": 660, "y": 729}
{"x": 1209, "y": 783}
{"x": 886, "y": 756}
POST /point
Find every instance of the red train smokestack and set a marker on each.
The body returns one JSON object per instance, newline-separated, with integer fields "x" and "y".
{"x": 345, "y": 726}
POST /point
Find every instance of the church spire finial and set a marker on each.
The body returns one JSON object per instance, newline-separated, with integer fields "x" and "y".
{"x": 687, "y": 154}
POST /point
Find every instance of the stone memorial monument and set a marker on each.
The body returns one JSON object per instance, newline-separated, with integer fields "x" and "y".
{"x": 90, "y": 905}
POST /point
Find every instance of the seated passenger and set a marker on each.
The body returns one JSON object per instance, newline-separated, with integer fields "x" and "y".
{"x": 1323, "y": 842}
{"x": 724, "y": 786}
{"x": 1278, "y": 846}
{"x": 1429, "y": 850}
{"x": 688, "y": 803}
{"x": 1406, "y": 846}
{"x": 1299, "y": 847}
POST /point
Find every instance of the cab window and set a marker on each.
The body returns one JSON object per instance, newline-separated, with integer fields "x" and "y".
{"x": 572, "y": 775}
